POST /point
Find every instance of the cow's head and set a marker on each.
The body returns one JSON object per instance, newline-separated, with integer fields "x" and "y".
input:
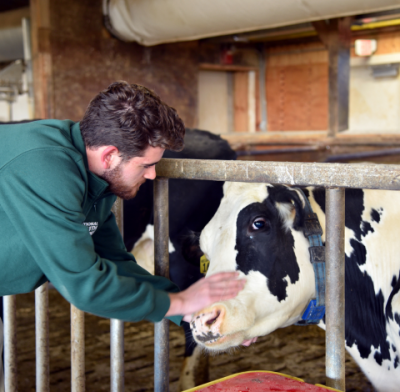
{"x": 257, "y": 230}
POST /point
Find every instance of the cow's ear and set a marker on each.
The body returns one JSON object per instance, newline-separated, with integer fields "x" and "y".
{"x": 290, "y": 204}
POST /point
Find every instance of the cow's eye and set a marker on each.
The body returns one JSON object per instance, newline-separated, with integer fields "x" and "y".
{"x": 258, "y": 224}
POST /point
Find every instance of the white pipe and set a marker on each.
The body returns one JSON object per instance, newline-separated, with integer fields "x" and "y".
{"x": 152, "y": 22}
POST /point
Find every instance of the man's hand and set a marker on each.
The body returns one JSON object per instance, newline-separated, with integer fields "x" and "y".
{"x": 216, "y": 288}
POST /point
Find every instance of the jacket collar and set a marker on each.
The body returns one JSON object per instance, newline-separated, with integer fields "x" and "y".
{"x": 97, "y": 186}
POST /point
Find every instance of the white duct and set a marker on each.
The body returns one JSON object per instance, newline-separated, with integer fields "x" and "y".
{"x": 152, "y": 22}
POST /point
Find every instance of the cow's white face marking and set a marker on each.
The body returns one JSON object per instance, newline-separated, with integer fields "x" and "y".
{"x": 255, "y": 311}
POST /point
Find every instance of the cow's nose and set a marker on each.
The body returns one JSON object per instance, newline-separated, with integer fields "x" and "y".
{"x": 210, "y": 319}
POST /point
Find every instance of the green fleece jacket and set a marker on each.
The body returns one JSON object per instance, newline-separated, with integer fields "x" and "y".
{"x": 56, "y": 225}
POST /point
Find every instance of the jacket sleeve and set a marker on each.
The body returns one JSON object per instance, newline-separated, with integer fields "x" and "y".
{"x": 109, "y": 244}
{"x": 42, "y": 193}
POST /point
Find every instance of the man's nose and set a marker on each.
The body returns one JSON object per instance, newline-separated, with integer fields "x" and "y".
{"x": 150, "y": 173}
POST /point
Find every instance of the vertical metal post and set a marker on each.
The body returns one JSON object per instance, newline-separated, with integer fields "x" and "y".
{"x": 117, "y": 375}
{"x": 42, "y": 338}
{"x": 10, "y": 343}
{"x": 161, "y": 267}
{"x": 335, "y": 315}
{"x": 77, "y": 350}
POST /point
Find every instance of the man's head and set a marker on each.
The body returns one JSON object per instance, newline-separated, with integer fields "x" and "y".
{"x": 126, "y": 129}
{"x": 131, "y": 118}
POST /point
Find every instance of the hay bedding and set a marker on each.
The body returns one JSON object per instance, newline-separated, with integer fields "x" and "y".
{"x": 296, "y": 351}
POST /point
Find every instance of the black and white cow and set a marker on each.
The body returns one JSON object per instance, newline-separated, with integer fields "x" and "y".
{"x": 191, "y": 206}
{"x": 257, "y": 230}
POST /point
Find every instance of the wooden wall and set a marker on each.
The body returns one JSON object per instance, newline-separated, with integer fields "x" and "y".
{"x": 297, "y": 87}
{"x": 75, "y": 57}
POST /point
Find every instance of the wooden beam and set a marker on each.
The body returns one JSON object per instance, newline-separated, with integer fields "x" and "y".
{"x": 226, "y": 68}
{"x": 336, "y": 36}
{"x": 240, "y": 140}
{"x": 41, "y": 58}
{"x": 10, "y": 19}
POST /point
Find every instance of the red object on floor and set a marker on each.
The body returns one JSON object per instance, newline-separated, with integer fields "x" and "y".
{"x": 260, "y": 382}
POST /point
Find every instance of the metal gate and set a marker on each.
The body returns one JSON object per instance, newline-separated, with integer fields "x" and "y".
{"x": 334, "y": 177}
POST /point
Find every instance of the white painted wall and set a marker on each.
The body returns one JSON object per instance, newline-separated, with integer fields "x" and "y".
{"x": 374, "y": 102}
{"x": 213, "y": 113}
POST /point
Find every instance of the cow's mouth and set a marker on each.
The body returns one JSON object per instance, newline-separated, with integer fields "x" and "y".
{"x": 208, "y": 338}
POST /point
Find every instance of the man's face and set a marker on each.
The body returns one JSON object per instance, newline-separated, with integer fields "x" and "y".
{"x": 125, "y": 179}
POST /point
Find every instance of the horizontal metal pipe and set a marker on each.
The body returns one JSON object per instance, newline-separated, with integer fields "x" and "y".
{"x": 368, "y": 176}
{"x": 363, "y": 155}
{"x": 276, "y": 151}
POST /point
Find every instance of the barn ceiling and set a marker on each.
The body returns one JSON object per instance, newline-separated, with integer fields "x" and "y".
{"x": 152, "y": 22}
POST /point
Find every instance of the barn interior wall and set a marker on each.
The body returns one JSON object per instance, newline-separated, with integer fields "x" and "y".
{"x": 85, "y": 59}
{"x": 297, "y": 87}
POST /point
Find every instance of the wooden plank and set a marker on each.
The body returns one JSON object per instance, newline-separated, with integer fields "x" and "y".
{"x": 240, "y": 101}
{"x": 226, "y": 68}
{"x": 10, "y": 19}
{"x": 336, "y": 35}
{"x": 310, "y": 138}
{"x": 42, "y": 59}
{"x": 297, "y": 97}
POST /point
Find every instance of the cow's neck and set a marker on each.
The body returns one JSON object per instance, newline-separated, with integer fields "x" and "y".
{"x": 315, "y": 310}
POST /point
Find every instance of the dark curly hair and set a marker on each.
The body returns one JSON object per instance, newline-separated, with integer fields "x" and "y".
{"x": 131, "y": 117}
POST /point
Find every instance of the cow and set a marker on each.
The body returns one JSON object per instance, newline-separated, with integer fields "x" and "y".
{"x": 259, "y": 231}
{"x": 191, "y": 206}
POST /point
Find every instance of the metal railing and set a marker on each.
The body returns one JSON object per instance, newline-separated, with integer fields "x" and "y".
{"x": 334, "y": 177}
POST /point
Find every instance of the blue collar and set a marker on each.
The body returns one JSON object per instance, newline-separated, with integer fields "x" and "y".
{"x": 315, "y": 310}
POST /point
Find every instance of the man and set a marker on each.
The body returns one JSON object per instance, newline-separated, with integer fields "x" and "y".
{"x": 58, "y": 182}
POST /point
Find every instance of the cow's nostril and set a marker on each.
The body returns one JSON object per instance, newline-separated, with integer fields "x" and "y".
{"x": 213, "y": 320}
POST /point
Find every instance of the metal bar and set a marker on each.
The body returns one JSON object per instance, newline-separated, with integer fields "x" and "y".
{"x": 367, "y": 176}
{"x": 117, "y": 355}
{"x": 117, "y": 376}
{"x": 10, "y": 344}
{"x": 363, "y": 155}
{"x": 42, "y": 338}
{"x": 335, "y": 306}
{"x": 161, "y": 267}
{"x": 77, "y": 350}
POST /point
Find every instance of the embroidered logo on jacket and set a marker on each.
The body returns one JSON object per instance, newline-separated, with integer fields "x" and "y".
{"x": 92, "y": 226}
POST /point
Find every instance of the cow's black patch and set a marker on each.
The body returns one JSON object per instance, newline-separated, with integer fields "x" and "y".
{"x": 364, "y": 312}
{"x": 375, "y": 216}
{"x": 354, "y": 207}
{"x": 378, "y": 358}
{"x": 396, "y": 290}
{"x": 359, "y": 252}
{"x": 365, "y": 321}
{"x": 396, "y": 362}
{"x": 268, "y": 250}
{"x": 366, "y": 228}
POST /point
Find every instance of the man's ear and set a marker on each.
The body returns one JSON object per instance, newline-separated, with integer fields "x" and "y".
{"x": 109, "y": 157}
